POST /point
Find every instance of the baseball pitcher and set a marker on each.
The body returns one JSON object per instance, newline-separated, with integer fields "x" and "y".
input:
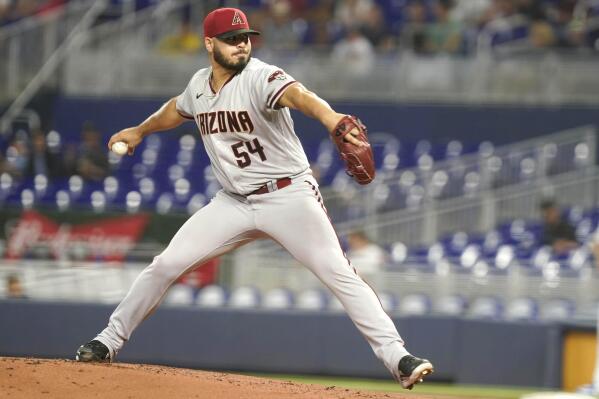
{"x": 241, "y": 108}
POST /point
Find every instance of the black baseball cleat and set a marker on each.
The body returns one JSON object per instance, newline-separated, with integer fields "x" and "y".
{"x": 412, "y": 370}
{"x": 93, "y": 351}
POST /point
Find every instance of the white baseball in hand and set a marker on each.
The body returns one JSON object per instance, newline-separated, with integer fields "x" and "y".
{"x": 120, "y": 148}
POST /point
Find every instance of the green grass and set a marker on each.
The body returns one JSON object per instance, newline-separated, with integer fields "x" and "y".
{"x": 475, "y": 391}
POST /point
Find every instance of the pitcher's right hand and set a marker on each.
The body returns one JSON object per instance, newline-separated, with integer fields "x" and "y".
{"x": 132, "y": 136}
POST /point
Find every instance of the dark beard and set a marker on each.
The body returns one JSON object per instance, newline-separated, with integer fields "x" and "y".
{"x": 237, "y": 66}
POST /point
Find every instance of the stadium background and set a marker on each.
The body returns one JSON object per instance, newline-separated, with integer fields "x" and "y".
{"x": 477, "y": 110}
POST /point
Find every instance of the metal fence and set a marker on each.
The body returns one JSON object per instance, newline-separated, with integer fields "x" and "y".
{"x": 25, "y": 46}
{"x": 120, "y": 56}
{"x": 550, "y": 78}
{"x": 78, "y": 282}
{"x": 278, "y": 270}
{"x": 470, "y": 192}
{"x": 129, "y": 51}
{"x": 483, "y": 212}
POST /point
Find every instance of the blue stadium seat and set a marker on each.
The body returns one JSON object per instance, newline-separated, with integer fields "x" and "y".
{"x": 76, "y": 187}
{"x": 541, "y": 256}
{"x": 470, "y": 255}
{"x": 485, "y": 307}
{"x": 486, "y": 149}
{"x": 27, "y": 198}
{"x": 455, "y": 244}
{"x": 580, "y": 258}
{"x": 439, "y": 184}
{"x": 414, "y": 305}
{"x": 111, "y": 187}
{"x": 164, "y": 204}
{"x": 244, "y": 297}
{"x": 559, "y": 309}
{"x": 278, "y": 299}
{"x": 435, "y": 253}
{"x": 584, "y": 229}
{"x": 187, "y": 142}
{"x": 133, "y": 201}
{"x": 422, "y": 147}
{"x": 179, "y": 294}
{"x": 450, "y": 305}
{"x": 196, "y": 202}
{"x": 211, "y": 296}
{"x": 399, "y": 252}
{"x": 505, "y": 256}
{"x": 147, "y": 189}
{"x": 311, "y": 299}
{"x": 63, "y": 200}
{"x": 574, "y": 214}
{"x": 98, "y": 201}
{"x": 7, "y": 184}
{"x": 491, "y": 243}
{"x": 472, "y": 183}
{"x": 528, "y": 169}
{"x": 182, "y": 190}
{"x": 43, "y": 188}
{"x": 523, "y": 308}
{"x": 454, "y": 149}
{"x": 415, "y": 197}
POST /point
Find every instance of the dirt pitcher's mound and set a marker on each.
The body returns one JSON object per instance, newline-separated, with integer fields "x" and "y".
{"x": 37, "y": 378}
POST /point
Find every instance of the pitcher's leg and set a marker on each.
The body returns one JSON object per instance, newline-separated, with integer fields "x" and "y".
{"x": 300, "y": 224}
{"x": 215, "y": 229}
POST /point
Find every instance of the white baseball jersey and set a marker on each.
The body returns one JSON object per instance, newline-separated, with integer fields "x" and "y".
{"x": 249, "y": 140}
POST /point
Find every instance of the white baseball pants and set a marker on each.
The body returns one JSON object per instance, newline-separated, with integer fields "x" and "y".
{"x": 293, "y": 216}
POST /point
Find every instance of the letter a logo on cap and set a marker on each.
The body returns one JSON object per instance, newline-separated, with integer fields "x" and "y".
{"x": 237, "y": 20}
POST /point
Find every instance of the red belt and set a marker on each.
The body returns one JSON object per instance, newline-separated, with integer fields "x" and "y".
{"x": 272, "y": 186}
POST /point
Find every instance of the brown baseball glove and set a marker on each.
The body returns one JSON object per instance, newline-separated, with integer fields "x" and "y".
{"x": 359, "y": 161}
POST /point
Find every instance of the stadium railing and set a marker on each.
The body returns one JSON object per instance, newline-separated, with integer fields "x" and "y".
{"x": 128, "y": 46}
{"x": 26, "y": 45}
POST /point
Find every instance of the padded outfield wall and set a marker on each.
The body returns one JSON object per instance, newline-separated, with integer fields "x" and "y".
{"x": 464, "y": 351}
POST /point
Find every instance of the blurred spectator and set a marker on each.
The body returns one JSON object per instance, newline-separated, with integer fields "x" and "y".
{"x": 281, "y": 31}
{"x": 444, "y": 35}
{"x": 364, "y": 255}
{"x": 413, "y": 33}
{"x": 354, "y": 14}
{"x": 541, "y": 34}
{"x": 14, "y": 288}
{"x": 534, "y": 10}
{"x": 90, "y": 161}
{"x": 185, "y": 41}
{"x": 569, "y": 30}
{"x": 557, "y": 232}
{"x": 4, "y": 11}
{"x": 471, "y": 12}
{"x": 374, "y": 27}
{"x": 41, "y": 160}
{"x": 354, "y": 53}
{"x": 320, "y": 31}
{"x": 17, "y": 155}
{"x": 521, "y": 23}
{"x": 23, "y": 8}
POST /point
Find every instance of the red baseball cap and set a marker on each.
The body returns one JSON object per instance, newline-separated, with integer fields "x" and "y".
{"x": 226, "y": 22}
